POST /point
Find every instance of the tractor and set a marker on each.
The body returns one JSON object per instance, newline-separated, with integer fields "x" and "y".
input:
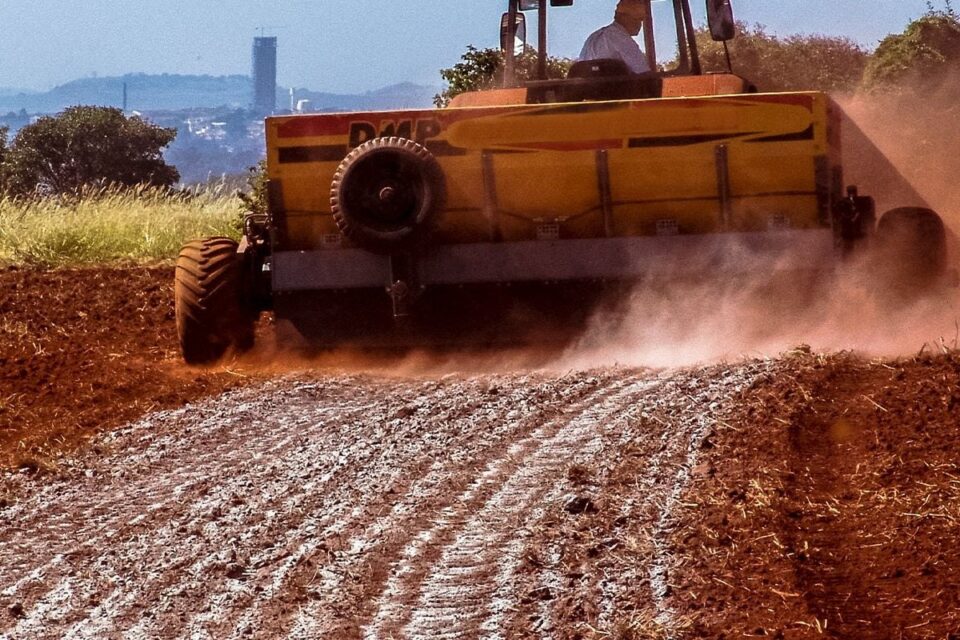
{"x": 525, "y": 206}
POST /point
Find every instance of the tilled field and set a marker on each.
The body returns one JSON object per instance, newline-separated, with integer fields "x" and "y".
{"x": 361, "y": 506}
{"x": 792, "y": 498}
{"x": 83, "y": 350}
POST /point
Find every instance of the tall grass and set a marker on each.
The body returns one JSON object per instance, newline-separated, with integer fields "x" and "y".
{"x": 111, "y": 226}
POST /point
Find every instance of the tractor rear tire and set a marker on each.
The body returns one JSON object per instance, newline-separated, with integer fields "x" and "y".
{"x": 911, "y": 247}
{"x": 211, "y": 313}
{"x": 387, "y": 195}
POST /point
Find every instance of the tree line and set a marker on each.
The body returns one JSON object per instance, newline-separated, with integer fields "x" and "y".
{"x": 925, "y": 57}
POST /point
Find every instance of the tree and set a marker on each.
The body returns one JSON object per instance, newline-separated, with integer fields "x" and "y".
{"x": 254, "y": 200}
{"x": 911, "y": 92}
{"x": 87, "y": 146}
{"x": 481, "y": 69}
{"x": 790, "y": 63}
{"x": 925, "y": 56}
{"x": 3, "y": 142}
{"x": 3, "y": 154}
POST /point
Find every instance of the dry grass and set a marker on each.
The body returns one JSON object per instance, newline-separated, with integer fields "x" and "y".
{"x": 139, "y": 225}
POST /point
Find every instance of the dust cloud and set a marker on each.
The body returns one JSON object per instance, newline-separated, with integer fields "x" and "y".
{"x": 920, "y": 135}
{"x": 904, "y": 150}
{"x": 685, "y": 323}
{"x": 680, "y": 324}
{"x": 273, "y": 356}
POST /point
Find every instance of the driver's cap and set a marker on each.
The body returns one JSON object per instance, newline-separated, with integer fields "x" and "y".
{"x": 632, "y": 7}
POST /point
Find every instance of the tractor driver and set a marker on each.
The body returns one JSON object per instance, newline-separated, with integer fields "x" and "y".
{"x": 616, "y": 40}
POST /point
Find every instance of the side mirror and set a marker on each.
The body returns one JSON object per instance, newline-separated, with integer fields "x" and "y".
{"x": 720, "y": 18}
{"x": 518, "y": 33}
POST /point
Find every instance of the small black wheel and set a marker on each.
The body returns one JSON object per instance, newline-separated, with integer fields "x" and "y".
{"x": 388, "y": 194}
{"x": 211, "y": 313}
{"x": 911, "y": 249}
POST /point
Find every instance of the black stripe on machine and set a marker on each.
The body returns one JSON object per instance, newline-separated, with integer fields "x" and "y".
{"x": 324, "y": 153}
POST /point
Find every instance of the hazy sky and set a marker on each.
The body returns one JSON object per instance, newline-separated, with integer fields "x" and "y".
{"x": 337, "y": 45}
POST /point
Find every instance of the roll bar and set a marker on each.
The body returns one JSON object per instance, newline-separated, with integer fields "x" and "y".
{"x": 718, "y": 11}
{"x": 509, "y": 71}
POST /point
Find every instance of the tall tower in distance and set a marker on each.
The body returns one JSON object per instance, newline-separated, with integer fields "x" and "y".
{"x": 264, "y": 75}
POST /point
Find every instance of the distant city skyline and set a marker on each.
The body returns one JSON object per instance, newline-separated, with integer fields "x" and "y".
{"x": 339, "y": 45}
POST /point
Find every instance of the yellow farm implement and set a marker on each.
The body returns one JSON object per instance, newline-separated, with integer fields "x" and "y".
{"x": 512, "y": 203}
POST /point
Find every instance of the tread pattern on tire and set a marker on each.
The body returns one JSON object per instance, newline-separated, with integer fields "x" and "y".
{"x": 209, "y": 311}
{"x": 386, "y": 242}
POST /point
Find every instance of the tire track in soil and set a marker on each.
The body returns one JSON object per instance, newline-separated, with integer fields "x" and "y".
{"x": 667, "y": 432}
{"x": 821, "y": 543}
{"x": 156, "y": 490}
{"x": 462, "y": 576}
{"x": 425, "y": 501}
{"x": 267, "y": 518}
{"x": 695, "y": 426}
{"x": 215, "y": 616}
{"x": 156, "y": 514}
{"x": 336, "y": 540}
{"x": 132, "y": 523}
{"x": 486, "y": 493}
{"x": 695, "y": 404}
{"x": 320, "y": 507}
{"x": 239, "y": 609}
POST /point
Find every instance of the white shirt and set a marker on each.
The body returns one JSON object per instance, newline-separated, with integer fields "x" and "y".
{"x": 613, "y": 41}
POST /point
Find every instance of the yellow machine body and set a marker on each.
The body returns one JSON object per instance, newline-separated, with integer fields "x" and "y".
{"x": 528, "y": 207}
{"x": 686, "y": 164}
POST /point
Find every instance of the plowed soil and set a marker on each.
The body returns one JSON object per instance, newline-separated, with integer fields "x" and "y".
{"x": 804, "y": 496}
{"x": 85, "y": 350}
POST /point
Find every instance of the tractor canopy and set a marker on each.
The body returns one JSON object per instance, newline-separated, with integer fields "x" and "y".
{"x": 678, "y": 27}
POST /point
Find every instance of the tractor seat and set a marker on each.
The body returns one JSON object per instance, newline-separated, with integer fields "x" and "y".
{"x": 589, "y": 80}
{"x": 602, "y": 68}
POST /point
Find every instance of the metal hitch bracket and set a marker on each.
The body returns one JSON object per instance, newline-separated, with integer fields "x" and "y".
{"x": 404, "y": 287}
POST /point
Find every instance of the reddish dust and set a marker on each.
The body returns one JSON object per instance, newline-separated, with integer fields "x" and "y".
{"x": 681, "y": 324}
{"x": 271, "y": 356}
{"x": 919, "y": 135}
{"x": 674, "y": 324}
{"x": 900, "y": 149}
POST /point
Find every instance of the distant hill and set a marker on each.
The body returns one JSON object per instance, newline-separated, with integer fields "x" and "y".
{"x": 405, "y": 95}
{"x": 170, "y": 92}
